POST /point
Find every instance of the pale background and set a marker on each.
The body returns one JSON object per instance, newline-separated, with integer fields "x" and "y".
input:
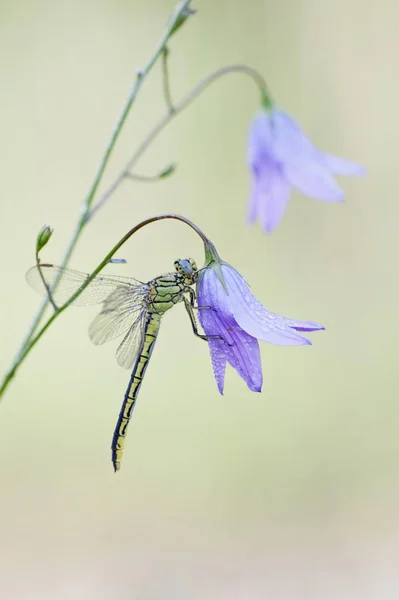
{"x": 292, "y": 494}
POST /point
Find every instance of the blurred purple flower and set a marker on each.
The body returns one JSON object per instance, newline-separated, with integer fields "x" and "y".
{"x": 280, "y": 157}
{"x": 241, "y": 321}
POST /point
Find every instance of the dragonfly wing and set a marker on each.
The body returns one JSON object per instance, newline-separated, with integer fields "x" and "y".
{"x": 120, "y": 311}
{"x": 133, "y": 342}
{"x": 70, "y": 281}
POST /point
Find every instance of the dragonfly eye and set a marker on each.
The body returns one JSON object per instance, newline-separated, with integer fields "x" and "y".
{"x": 186, "y": 266}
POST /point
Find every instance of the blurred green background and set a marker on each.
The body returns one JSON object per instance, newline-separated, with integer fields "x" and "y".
{"x": 289, "y": 494}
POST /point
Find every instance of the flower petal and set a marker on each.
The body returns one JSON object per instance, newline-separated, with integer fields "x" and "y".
{"x": 272, "y": 194}
{"x": 260, "y": 139}
{"x": 239, "y": 348}
{"x": 304, "y": 325}
{"x": 301, "y": 163}
{"x": 251, "y": 315}
{"x": 340, "y": 166}
{"x": 314, "y": 181}
{"x": 270, "y": 191}
{"x": 209, "y": 324}
{"x": 244, "y": 357}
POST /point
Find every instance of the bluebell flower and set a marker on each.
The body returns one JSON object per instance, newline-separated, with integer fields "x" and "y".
{"x": 281, "y": 157}
{"x": 241, "y": 320}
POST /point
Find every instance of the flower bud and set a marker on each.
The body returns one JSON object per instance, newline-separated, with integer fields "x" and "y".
{"x": 185, "y": 14}
{"x": 43, "y": 237}
{"x": 169, "y": 170}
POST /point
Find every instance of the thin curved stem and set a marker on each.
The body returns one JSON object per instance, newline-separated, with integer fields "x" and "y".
{"x": 166, "y": 172}
{"x": 179, "y": 15}
{"x": 178, "y": 108}
{"x": 34, "y": 339}
{"x": 165, "y": 80}
{"x": 88, "y": 210}
{"x": 123, "y": 241}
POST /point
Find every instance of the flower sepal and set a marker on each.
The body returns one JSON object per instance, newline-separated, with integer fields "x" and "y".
{"x": 266, "y": 102}
{"x": 213, "y": 261}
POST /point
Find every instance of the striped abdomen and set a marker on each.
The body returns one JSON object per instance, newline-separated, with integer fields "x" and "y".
{"x": 139, "y": 369}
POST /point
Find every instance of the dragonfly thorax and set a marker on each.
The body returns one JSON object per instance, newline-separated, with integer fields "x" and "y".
{"x": 187, "y": 267}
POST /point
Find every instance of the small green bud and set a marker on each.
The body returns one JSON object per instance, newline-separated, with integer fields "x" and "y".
{"x": 43, "y": 237}
{"x": 169, "y": 170}
{"x": 185, "y": 14}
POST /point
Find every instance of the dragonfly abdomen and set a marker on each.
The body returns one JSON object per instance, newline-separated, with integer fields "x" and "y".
{"x": 139, "y": 369}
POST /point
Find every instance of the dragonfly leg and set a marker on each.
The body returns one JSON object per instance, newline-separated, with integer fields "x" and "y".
{"x": 203, "y": 308}
{"x": 189, "y": 309}
{"x": 189, "y": 290}
{"x": 46, "y": 285}
{"x": 193, "y": 298}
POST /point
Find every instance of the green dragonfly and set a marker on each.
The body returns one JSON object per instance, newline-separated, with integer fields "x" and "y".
{"x": 130, "y": 308}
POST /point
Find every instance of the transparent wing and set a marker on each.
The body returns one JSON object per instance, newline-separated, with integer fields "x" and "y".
{"x": 132, "y": 344}
{"x": 124, "y": 306}
{"x": 70, "y": 281}
{"x": 121, "y": 309}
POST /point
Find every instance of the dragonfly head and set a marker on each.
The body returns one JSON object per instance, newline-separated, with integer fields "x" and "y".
{"x": 188, "y": 268}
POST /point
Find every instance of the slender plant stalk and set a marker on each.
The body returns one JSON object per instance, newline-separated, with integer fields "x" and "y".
{"x": 176, "y": 19}
{"x": 60, "y": 309}
{"x": 88, "y": 210}
{"x": 170, "y": 115}
{"x": 165, "y": 80}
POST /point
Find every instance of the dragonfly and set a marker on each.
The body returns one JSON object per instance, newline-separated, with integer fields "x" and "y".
{"x": 130, "y": 308}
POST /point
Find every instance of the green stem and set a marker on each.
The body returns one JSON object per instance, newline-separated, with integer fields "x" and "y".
{"x": 34, "y": 339}
{"x": 177, "y": 109}
{"x": 87, "y": 214}
{"x": 165, "y": 80}
{"x": 88, "y": 210}
{"x": 179, "y": 13}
